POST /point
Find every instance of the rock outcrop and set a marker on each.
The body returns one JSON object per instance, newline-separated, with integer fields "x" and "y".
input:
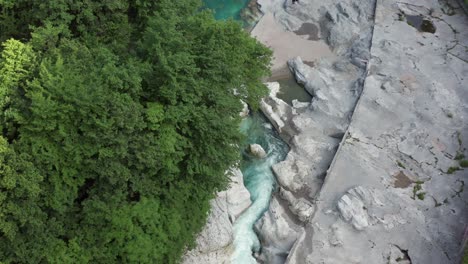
{"x": 257, "y": 151}
{"x": 394, "y": 192}
{"x": 214, "y": 243}
{"x": 278, "y": 229}
{"x": 394, "y": 189}
{"x": 315, "y": 130}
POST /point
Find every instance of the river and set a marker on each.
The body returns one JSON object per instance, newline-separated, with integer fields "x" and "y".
{"x": 257, "y": 173}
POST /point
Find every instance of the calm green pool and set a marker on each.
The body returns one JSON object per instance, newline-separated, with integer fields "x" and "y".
{"x": 225, "y": 9}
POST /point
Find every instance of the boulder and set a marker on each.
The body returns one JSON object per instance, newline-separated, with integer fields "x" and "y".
{"x": 300, "y": 207}
{"x": 257, "y": 151}
{"x": 237, "y": 196}
{"x": 214, "y": 243}
{"x": 277, "y": 111}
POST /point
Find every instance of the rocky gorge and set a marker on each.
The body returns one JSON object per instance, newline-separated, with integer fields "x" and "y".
{"x": 375, "y": 170}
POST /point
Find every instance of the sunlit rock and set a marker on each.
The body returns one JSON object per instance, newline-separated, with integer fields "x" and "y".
{"x": 257, "y": 151}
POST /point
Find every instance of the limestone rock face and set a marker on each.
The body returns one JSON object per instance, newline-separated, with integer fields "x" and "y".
{"x": 366, "y": 206}
{"x": 340, "y": 24}
{"x": 237, "y": 196}
{"x": 410, "y": 123}
{"x": 314, "y": 130}
{"x": 276, "y": 110}
{"x": 334, "y": 97}
{"x": 353, "y": 207}
{"x": 214, "y": 243}
{"x": 278, "y": 232}
{"x": 300, "y": 207}
{"x": 257, "y": 151}
{"x": 291, "y": 172}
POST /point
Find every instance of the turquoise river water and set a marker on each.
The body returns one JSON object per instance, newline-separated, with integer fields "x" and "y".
{"x": 259, "y": 180}
{"x": 225, "y": 9}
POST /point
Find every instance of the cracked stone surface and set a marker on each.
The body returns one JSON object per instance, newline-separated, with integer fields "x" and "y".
{"x": 314, "y": 131}
{"x": 411, "y": 120}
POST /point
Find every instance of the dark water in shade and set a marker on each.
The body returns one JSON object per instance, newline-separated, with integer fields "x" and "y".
{"x": 225, "y": 9}
{"x": 420, "y": 23}
{"x": 290, "y": 90}
{"x": 308, "y": 29}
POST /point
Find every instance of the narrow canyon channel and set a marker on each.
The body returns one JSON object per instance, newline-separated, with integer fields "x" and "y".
{"x": 257, "y": 173}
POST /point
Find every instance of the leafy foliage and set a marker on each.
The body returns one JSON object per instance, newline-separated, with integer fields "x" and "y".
{"x": 119, "y": 121}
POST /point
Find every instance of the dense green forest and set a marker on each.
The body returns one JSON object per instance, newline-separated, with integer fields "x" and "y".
{"x": 119, "y": 120}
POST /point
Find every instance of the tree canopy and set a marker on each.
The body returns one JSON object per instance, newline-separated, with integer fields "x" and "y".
{"x": 119, "y": 119}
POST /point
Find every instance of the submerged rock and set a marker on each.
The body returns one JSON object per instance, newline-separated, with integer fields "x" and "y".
{"x": 257, "y": 151}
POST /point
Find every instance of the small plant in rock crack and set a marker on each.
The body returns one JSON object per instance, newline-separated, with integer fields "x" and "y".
{"x": 421, "y": 195}
{"x": 452, "y": 169}
{"x": 416, "y": 191}
{"x": 400, "y": 164}
{"x": 459, "y": 156}
{"x": 463, "y": 163}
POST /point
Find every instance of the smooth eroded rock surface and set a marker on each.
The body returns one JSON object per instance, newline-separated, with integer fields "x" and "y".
{"x": 411, "y": 120}
{"x": 214, "y": 243}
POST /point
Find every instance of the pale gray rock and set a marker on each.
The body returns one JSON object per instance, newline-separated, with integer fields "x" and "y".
{"x": 278, "y": 232}
{"x": 237, "y": 196}
{"x": 257, "y": 151}
{"x": 362, "y": 207}
{"x": 343, "y": 24}
{"x": 291, "y": 172}
{"x": 333, "y": 93}
{"x": 313, "y": 131}
{"x": 409, "y": 124}
{"x": 298, "y": 105}
{"x": 214, "y": 243}
{"x": 318, "y": 130}
{"x": 335, "y": 236}
{"x": 300, "y": 207}
{"x": 215, "y": 240}
{"x": 277, "y": 111}
{"x": 245, "y": 110}
{"x": 353, "y": 207}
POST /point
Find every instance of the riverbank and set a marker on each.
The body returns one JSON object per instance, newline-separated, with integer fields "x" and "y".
{"x": 286, "y": 44}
